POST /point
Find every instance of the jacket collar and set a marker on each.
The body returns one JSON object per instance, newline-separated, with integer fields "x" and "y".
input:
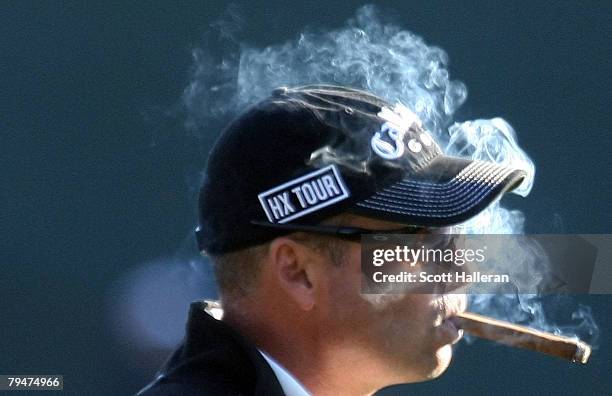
{"x": 234, "y": 356}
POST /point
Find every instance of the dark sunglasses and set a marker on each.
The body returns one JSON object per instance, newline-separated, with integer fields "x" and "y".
{"x": 349, "y": 233}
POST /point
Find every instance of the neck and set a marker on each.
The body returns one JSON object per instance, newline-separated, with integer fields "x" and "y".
{"x": 306, "y": 352}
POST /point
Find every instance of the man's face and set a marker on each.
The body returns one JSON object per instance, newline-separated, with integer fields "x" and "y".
{"x": 399, "y": 337}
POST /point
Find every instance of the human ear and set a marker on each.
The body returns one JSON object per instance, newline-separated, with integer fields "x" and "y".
{"x": 292, "y": 264}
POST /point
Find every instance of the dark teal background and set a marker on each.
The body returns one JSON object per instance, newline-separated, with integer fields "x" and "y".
{"x": 98, "y": 170}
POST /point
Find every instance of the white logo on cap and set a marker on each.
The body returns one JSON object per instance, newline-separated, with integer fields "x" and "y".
{"x": 414, "y": 146}
{"x": 426, "y": 139}
{"x": 306, "y": 194}
{"x": 399, "y": 120}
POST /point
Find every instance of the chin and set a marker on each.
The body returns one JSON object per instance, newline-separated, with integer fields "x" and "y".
{"x": 435, "y": 364}
{"x": 442, "y": 358}
{"x": 429, "y": 366}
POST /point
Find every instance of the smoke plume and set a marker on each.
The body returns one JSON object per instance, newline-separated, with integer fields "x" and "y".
{"x": 400, "y": 66}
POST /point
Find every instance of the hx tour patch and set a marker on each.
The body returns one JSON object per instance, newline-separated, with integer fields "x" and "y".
{"x": 304, "y": 195}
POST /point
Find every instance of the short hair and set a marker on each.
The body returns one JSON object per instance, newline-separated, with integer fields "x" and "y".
{"x": 237, "y": 272}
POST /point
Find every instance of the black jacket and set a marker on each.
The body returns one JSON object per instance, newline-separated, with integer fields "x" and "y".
{"x": 214, "y": 360}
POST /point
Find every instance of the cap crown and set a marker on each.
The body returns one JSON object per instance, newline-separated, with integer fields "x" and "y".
{"x": 264, "y": 165}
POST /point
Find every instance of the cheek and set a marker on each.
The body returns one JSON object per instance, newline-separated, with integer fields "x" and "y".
{"x": 358, "y": 314}
{"x": 395, "y": 318}
{"x": 409, "y": 313}
{"x": 345, "y": 294}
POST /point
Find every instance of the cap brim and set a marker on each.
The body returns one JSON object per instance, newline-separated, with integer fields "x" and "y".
{"x": 447, "y": 191}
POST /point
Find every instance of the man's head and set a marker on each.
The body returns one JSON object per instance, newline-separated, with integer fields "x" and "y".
{"x": 285, "y": 183}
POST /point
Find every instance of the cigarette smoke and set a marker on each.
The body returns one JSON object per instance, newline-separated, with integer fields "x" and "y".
{"x": 397, "y": 65}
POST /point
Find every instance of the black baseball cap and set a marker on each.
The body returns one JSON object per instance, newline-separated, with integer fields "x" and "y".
{"x": 308, "y": 153}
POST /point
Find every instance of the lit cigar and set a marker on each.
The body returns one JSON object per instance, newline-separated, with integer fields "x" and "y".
{"x": 523, "y": 337}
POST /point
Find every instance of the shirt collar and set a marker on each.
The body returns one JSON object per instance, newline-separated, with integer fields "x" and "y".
{"x": 291, "y": 386}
